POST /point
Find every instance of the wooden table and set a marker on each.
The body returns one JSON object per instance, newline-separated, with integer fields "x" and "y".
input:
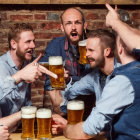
{"x": 17, "y": 136}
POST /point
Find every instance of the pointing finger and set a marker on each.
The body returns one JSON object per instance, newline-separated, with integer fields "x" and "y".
{"x": 46, "y": 71}
{"x": 37, "y": 59}
{"x": 116, "y": 8}
{"x": 109, "y": 7}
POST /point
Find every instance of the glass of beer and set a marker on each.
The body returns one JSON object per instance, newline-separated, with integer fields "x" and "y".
{"x": 82, "y": 51}
{"x": 44, "y": 64}
{"x": 75, "y": 109}
{"x": 56, "y": 66}
{"x": 44, "y": 117}
{"x": 28, "y": 118}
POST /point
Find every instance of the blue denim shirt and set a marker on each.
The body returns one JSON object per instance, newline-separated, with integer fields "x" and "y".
{"x": 57, "y": 48}
{"x": 92, "y": 83}
{"x": 12, "y": 96}
{"x": 106, "y": 98}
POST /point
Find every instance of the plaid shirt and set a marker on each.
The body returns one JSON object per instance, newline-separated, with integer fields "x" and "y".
{"x": 70, "y": 54}
{"x": 71, "y": 62}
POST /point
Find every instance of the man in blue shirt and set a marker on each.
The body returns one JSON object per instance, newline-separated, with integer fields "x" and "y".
{"x": 16, "y": 73}
{"x": 73, "y": 25}
{"x": 117, "y": 109}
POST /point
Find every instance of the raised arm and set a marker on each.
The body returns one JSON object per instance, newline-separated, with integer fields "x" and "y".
{"x": 129, "y": 35}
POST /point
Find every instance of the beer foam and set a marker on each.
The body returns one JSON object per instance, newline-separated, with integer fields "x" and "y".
{"x": 82, "y": 43}
{"x": 27, "y": 110}
{"x": 43, "y": 113}
{"x": 75, "y": 105}
{"x": 29, "y": 116}
{"x": 55, "y": 60}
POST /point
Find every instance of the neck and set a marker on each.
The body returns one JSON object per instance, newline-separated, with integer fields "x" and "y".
{"x": 127, "y": 59}
{"x": 108, "y": 67}
{"x": 16, "y": 59}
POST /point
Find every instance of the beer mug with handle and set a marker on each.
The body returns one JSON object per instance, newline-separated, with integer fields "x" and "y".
{"x": 28, "y": 118}
{"x": 56, "y": 66}
{"x": 82, "y": 50}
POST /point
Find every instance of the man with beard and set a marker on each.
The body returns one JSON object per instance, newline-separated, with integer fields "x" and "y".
{"x": 16, "y": 73}
{"x": 73, "y": 25}
{"x": 117, "y": 108}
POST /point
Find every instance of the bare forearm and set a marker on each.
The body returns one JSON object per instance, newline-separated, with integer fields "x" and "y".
{"x": 11, "y": 120}
{"x": 76, "y": 132}
{"x": 129, "y": 35}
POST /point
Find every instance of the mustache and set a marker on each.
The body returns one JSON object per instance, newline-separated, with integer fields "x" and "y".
{"x": 90, "y": 58}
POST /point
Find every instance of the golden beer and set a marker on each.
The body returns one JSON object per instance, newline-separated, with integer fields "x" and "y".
{"x": 75, "y": 111}
{"x": 28, "y": 118}
{"x": 82, "y": 51}
{"x": 44, "y": 64}
{"x": 56, "y": 66}
{"x": 43, "y": 123}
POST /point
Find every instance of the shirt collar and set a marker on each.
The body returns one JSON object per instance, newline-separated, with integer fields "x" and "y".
{"x": 10, "y": 60}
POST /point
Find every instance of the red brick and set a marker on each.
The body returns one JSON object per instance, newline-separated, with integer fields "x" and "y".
{"x": 95, "y": 25}
{"x": 43, "y": 35}
{"x": 57, "y": 35}
{"x": 136, "y": 15}
{"x": 21, "y": 17}
{"x": 38, "y": 84}
{"x": 50, "y": 25}
{"x": 91, "y": 16}
{"x": 34, "y": 25}
{"x": 4, "y": 16}
{"x": 40, "y": 16}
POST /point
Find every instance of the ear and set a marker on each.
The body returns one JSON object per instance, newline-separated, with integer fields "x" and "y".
{"x": 107, "y": 52}
{"x": 85, "y": 25}
{"x": 13, "y": 44}
{"x": 62, "y": 28}
{"x": 119, "y": 45}
{"x": 120, "y": 49}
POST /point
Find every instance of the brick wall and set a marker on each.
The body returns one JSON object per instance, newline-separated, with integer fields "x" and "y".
{"x": 45, "y": 21}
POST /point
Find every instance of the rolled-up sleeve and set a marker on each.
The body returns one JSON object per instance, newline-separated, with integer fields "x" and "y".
{"x": 113, "y": 100}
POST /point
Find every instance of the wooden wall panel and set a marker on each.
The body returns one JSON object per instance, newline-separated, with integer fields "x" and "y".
{"x": 119, "y": 2}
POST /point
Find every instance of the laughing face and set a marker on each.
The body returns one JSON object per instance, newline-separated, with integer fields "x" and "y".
{"x": 72, "y": 25}
{"x": 25, "y": 46}
{"x": 95, "y": 53}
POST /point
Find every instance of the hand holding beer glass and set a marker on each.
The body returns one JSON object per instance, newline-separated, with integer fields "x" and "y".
{"x": 28, "y": 118}
{"x": 75, "y": 110}
{"x": 44, "y": 117}
{"x": 56, "y": 66}
{"x": 82, "y": 50}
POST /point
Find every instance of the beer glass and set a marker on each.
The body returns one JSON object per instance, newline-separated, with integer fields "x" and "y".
{"x": 82, "y": 51}
{"x": 28, "y": 118}
{"x": 44, "y": 64}
{"x": 75, "y": 109}
{"x": 56, "y": 66}
{"x": 43, "y": 123}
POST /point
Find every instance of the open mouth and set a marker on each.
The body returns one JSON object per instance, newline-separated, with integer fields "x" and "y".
{"x": 74, "y": 34}
{"x": 30, "y": 52}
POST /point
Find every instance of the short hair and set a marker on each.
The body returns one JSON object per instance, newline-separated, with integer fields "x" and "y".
{"x": 82, "y": 14}
{"x": 107, "y": 38}
{"x": 16, "y": 29}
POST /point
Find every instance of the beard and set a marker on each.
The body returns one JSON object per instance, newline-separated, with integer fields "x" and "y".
{"x": 96, "y": 63}
{"x": 23, "y": 55}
